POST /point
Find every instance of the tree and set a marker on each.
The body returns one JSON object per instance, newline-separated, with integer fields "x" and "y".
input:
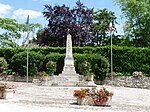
{"x": 137, "y": 28}
{"x": 7, "y": 37}
{"x": 77, "y": 20}
{"x": 102, "y": 20}
{"x": 12, "y": 31}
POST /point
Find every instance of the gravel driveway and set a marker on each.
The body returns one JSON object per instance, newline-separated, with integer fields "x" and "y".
{"x": 33, "y": 98}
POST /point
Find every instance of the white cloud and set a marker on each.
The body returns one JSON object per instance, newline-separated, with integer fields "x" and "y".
{"x": 4, "y": 9}
{"x": 22, "y": 14}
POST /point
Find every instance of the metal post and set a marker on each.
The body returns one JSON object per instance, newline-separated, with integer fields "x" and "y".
{"x": 27, "y": 63}
{"x": 27, "y": 26}
{"x": 111, "y": 58}
{"x": 27, "y": 57}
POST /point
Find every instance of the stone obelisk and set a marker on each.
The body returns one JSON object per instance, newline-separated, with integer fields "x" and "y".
{"x": 69, "y": 69}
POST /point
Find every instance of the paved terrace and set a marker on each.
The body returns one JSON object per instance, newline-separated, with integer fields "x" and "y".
{"x": 33, "y": 98}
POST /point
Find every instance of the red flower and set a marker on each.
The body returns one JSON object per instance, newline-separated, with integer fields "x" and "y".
{"x": 80, "y": 93}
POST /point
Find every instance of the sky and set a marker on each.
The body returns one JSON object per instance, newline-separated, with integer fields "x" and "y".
{"x": 20, "y": 9}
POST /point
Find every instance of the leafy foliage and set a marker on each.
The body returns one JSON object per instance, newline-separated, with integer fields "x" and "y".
{"x": 77, "y": 20}
{"x": 3, "y": 64}
{"x": 12, "y": 31}
{"x": 84, "y": 67}
{"x": 51, "y": 66}
{"x": 131, "y": 59}
{"x": 99, "y": 64}
{"x": 102, "y": 20}
{"x": 56, "y": 57}
{"x": 137, "y": 26}
{"x": 19, "y": 63}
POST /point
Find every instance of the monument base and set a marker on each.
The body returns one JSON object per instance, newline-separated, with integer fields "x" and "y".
{"x": 63, "y": 81}
{"x": 68, "y": 81}
{"x": 91, "y": 83}
{"x": 69, "y": 71}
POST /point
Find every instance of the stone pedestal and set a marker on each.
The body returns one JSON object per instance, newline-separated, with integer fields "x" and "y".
{"x": 64, "y": 80}
{"x": 91, "y": 83}
{"x": 68, "y": 77}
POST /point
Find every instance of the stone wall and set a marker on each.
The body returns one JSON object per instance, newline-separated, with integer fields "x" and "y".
{"x": 23, "y": 79}
{"x": 15, "y": 78}
{"x": 127, "y": 81}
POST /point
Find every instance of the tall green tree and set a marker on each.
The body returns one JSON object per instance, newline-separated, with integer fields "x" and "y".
{"x": 12, "y": 31}
{"x": 137, "y": 27}
{"x": 102, "y": 19}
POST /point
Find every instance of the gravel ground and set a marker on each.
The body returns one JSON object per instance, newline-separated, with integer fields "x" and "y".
{"x": 33, "y": 98}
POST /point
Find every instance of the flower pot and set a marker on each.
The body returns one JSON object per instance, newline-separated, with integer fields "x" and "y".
{"x": 85, "y": 77}
{"x": 108, "y": 103}
{"x": 90, "y": 101}
{"x": 105, "y": 103}
{"x": 82, "y": 101}
{"x": 44, "y": 78}
{"x": 8, "y": 94}
{"x": 90, "y": 77}
{"x": 1, "y": 94}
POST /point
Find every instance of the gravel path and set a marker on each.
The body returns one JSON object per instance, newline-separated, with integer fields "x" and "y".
{"x": 33, "y": 98}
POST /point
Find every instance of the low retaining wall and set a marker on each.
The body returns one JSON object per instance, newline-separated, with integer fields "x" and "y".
{"x": 15, "y": 78}
{"x": 127, "y": 81}
{"x": 23, "y": 79}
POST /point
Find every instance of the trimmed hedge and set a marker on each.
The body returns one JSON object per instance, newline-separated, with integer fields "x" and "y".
{"x": 130, "y": 59}
{"x": 100, "y": 65}
{"x": 19, "y": 63}
{"x": 37, "y": 62}
{"x": 125, "y": 59}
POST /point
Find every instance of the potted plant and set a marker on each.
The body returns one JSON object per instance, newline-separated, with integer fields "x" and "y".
{"x": 101, "y": 97}
{"x": 93, "y": 96}
{"x": 90, "y": 77}
{"x": 2, "y": 90}
{"x": 51, "y": 67}
{"x": 85, "y": 69}
{"x": 137, "y": 74}
{"x": 80, "y": 95}
{"x": 7, "y": 91}
{"x": 43, "y": 75}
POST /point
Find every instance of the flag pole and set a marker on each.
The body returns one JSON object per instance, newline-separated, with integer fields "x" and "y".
{"x": 111, "y": 55}
{"x": 27, "y": 64}
{"x": 27, "y": 26}
{"x": 111, "y": 50}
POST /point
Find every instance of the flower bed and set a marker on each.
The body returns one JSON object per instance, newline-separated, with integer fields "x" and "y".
{"x": 93, "y": 96}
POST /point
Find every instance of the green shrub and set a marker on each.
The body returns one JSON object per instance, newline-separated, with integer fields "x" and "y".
{"x": 51, "y": 66}
{"x": 56, "y": 57}
{"x": 99, "y": 64}
{"x": 130, "y": 59}
{"x": 84, "y": 68}
{"x": 3, "y": 64}
{"x": 19, "y": 63}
